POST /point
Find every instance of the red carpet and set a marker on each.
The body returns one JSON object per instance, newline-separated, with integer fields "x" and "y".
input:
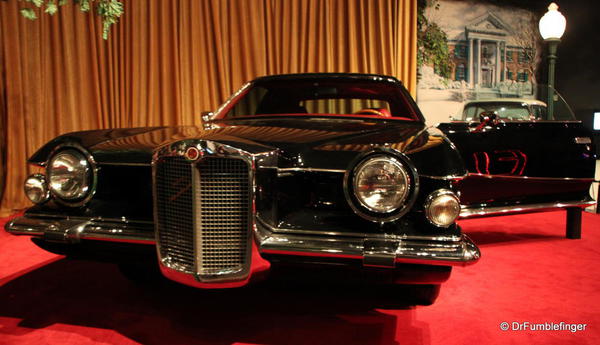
{"x": 529, "y": 272}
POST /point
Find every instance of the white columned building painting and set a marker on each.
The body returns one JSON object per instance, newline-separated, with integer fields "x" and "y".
{"x": 493, "y": 52}
{"x": 486, "y": 40}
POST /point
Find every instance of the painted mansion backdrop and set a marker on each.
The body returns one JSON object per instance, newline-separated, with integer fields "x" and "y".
{"x": 473, "y": 50}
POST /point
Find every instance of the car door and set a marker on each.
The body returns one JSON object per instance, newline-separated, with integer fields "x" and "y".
{"x": 525, "y": 162}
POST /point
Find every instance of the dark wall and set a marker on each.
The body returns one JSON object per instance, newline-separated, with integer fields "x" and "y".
{"x": 578, "y": 64}
{"x": 578, "y": 67}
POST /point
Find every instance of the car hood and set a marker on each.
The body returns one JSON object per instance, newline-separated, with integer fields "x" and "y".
{"x": 307, "y": 142}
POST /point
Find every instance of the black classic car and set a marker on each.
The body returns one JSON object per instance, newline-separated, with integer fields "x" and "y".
{"x": 510, "y": 109}
{"x": 307, "y": 172}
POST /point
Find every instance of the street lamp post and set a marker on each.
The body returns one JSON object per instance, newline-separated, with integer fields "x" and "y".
{"x": 552, "y": 27}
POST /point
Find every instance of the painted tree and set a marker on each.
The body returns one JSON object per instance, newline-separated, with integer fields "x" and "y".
{"x": 432, "y": 42}
{"x": 527, "y": 37}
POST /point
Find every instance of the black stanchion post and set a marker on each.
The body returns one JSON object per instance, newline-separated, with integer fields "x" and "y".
{"x": 574, "y": 223}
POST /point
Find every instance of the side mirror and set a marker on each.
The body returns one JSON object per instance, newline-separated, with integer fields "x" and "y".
{"x": 206, "y": 116}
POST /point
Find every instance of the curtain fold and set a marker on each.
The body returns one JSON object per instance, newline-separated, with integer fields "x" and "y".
{"x": 166, "y": 61}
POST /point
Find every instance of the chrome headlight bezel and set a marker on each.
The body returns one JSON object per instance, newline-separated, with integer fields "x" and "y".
{"x": 361, "y": 208}
{"x": 42, "y": 186}
{"x": 438, "y": 195}
{"x": 89, "y": 168}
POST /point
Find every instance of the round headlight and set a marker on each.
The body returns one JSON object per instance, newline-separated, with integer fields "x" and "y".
{"x": 442, "y": 207}
{"x": 69, "y": 175}
{"x": 36, "y": 188}
{"x": 381, "y": 184}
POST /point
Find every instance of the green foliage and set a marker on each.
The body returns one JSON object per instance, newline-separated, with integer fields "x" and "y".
{"x": 432, "y": 42}
{"x": 83, "y": 4}
{"x": 28, "y": 13}
{"x": 51, "y": 7}
{"x": 108, "y": 10}
{"x": 37, "y": 3}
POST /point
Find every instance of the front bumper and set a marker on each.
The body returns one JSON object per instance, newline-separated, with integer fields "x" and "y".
{"x": 373, "y": 250}
{"x": 73, "y": 230}
{"x": 369, "y": 251}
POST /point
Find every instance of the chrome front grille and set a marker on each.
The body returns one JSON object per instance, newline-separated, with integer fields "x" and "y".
{"x": 222, "y": 209}
{"x": 203, "y": 215}
{"x": 175, "y": 218}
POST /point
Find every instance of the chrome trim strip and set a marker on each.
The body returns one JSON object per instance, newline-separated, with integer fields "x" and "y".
{"x": 461, "y": 253}
{"x": 74, "y": 230}
{"x": 231, "y": 98}
{"x": 340, "y": 171}
{"x": 125, "y": 164}
{"x": 483, "y": 211}
{"x": 517, "y": 121}
{"x": 123, "y": 220}
{"x": 445, "y": 178}
{"x": 582, "y": 179}
{"x": 343, "y": 171}
{"x": 278, "y": 230}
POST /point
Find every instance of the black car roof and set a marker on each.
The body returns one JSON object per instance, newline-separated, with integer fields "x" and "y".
{"x": 348, "y": 76}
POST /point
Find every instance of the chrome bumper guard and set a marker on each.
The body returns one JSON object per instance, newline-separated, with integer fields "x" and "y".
{"x": 73, "y": 230}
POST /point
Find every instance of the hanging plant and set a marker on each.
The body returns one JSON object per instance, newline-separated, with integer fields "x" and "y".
{"x": 109, "y": 11}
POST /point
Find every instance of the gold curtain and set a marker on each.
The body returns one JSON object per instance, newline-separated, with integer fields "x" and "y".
{"x": 167, "y": 61}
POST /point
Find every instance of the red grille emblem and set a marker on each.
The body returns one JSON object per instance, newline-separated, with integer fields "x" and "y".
{"x": 192, "y": 154}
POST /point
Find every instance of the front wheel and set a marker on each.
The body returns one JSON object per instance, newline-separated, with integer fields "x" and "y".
{"x": 398, "y": 296}
{"x": 140, "y": 272}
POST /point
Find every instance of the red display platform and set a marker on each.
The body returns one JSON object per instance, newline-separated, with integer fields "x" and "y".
{"x": 528, "y": 273}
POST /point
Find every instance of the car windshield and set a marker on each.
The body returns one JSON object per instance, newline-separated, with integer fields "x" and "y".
{"x": 520, "y": 102}
{"x": 329, "y": 97}
{"x": 504, "y": 110}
